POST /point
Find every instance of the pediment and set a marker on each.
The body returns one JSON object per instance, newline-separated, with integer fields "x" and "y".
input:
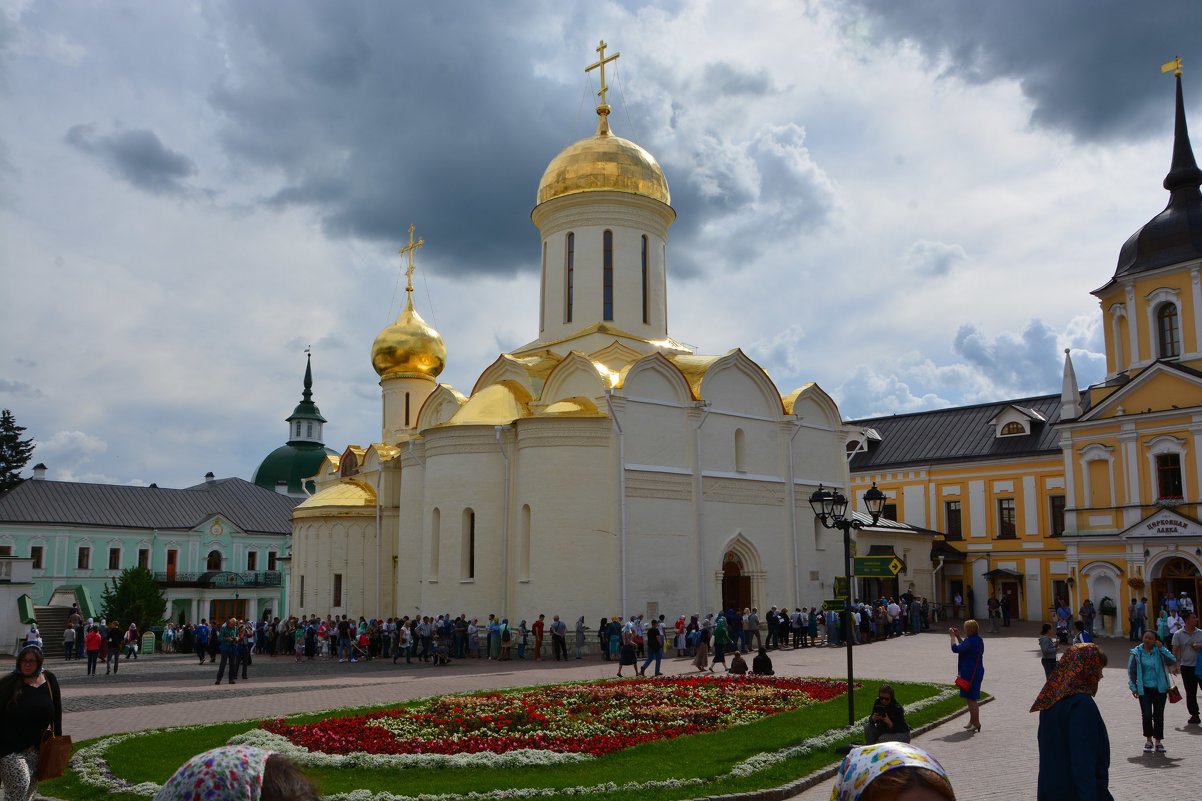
{"x": 1164, "y": 523}
{"x": 1159, "y": 388}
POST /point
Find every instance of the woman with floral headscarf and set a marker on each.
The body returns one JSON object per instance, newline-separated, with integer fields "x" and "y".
{"x": 891, "y": 772}
{"x": 1074, "y": 747}
{"x": 237, "y": 773}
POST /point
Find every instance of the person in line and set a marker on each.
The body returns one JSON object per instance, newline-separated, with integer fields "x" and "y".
{"x": 653, "y": 642}
{"x": 238, "y": 773}
{"x": 1148, "y": 680}
{"x": 68, "y": 643}
{"x": 970, "y": 669}
{"x": 30, "y": 703}
{"x": 887, "y": 723}
{"x": 580, "y": 627}
{"x": 761, "y": 664}
{"x": 1074, "y": 747}
{"x": 702, "y": 659}
{"x": 721, "y": 642}
{"x": 1047, "y": 650}
{"x": 891, "y": 771}
{"x": 538, "y": 628}
{"x": 1186, "y": 644}
{"x": 627, "y": 656}
{"x": 559, "y": 639}
{"x": 738, "y": 665}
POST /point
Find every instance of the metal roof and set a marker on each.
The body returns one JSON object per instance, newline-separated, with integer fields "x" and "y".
{"x": 66, "y": 503}
{"x": 962, "y": 433}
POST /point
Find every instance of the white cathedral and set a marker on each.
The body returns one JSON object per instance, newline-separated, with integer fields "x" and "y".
{"x": 601, "y": 469}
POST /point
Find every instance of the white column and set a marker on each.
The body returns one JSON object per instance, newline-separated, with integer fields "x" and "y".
{"x": 1132, "y": 329}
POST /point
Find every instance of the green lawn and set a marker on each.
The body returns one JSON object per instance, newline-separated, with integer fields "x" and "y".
{"x": 710, "y": 757}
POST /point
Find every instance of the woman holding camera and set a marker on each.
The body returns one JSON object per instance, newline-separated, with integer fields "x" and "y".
{"x": 970, "y": 669}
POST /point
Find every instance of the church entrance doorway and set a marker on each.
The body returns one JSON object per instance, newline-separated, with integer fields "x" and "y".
{"x": 1177, "y": 575}
{"x": 736, "y": 584}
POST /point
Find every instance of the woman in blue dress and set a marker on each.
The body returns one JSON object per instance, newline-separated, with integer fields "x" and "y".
{"x": 970, "y": 669}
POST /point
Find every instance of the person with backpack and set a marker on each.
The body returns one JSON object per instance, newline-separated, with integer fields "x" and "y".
{"x": 131, "y": 641}
{"x": 506, "y": 639}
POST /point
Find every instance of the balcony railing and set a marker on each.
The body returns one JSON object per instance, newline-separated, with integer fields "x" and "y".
{"x": 221, "y": 578}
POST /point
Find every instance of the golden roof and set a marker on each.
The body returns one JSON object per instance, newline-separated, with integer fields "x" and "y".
{"x": 499, "y": 404}
{"x": 410, "y": 346}
{"x": 604, "y": 162}
{"x": 345, "y": 497}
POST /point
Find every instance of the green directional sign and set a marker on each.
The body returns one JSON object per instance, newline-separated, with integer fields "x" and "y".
{"x": 834, "y": 605}
{"x": 877, "y": 566}
{"x": 841, "y": 587}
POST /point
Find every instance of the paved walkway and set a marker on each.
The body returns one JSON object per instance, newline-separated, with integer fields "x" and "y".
{"x": 998, "y": 763}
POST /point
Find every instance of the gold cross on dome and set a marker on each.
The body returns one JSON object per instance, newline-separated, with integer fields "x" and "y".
{"x": 601, "y": 62}
{"x": 411, "y": 248}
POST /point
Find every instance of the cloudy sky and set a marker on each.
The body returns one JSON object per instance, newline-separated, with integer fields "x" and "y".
{"x": 905, "y": 202}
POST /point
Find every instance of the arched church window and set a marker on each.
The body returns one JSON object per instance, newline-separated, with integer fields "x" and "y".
{"x": 607, "y": 276}
{"x": 1168, "y": 334}
{"x": 646, "y": 285}
{"x": 1013, "y": 429}
{"x": 214, "y": 560}
{"x": 740, "y": 450}
{"x": 569, "y": 268}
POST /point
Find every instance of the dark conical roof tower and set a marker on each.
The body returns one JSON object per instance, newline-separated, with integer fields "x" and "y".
{"x": 1174, "y": 235}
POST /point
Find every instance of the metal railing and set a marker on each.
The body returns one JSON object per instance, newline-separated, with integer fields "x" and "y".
{"x": 221, "y": 578}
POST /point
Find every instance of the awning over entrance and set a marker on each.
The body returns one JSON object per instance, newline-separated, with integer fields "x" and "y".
{"x": 1003, "y": 573}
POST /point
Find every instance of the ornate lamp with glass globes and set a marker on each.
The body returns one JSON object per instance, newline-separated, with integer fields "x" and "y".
{"x": 831, "y": 508}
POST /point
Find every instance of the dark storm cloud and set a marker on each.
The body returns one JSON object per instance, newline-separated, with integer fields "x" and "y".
{"x": 1089, "y": 67}
{"x": 379, "y": 115}
{"x": 136, "y": 156}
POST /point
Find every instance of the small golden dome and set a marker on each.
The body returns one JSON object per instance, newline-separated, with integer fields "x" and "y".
{"x": 604, "y": 162}
{"x": 409, "y": 346}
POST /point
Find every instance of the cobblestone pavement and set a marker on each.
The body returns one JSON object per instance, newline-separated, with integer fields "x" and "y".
{"x": 998, "y": 763}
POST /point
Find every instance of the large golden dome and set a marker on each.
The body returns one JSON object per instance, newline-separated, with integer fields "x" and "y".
{"x": 409, "y": 346}
{"x": 604, "y": 162}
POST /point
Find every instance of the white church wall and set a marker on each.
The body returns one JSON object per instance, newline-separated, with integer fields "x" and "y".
{"x": 657, "y": 435}
{"x": 567, "y": 474}
{"x": 662, "y": 557}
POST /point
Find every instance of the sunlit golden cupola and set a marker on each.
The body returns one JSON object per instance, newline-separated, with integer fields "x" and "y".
{"x": 410, "y": 346}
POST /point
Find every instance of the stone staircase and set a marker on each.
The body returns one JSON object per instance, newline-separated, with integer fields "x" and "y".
{"x": 52, "y": 622}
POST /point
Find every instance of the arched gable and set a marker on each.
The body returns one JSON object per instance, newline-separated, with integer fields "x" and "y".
{"x": 377, "y": 454}
{"x": 810, "y": 402}
{"x": 746, "y": 552}
{"x": 616, "y": 356}
{"x": 656, "y": 377}
{"x": 737, "y": 383}
{"x": 576, "y": 376}
{"x": 505, "y": 368}
{"x": 439, "y": 407}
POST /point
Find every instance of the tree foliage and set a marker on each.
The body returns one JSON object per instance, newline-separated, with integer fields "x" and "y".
{"x": 134, "y": 597}
{"x": 14, "y": 451}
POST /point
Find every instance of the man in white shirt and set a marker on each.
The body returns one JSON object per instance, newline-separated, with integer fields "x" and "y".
{"x": 1185, "y": 604}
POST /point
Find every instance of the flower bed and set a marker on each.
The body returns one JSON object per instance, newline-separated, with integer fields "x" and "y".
{"x": 592, "y": 719}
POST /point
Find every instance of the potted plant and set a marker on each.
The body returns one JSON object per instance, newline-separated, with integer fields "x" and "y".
{"x": 1135, "y": 583}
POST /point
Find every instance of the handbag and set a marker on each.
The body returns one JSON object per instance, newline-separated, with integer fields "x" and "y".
{"x": 53, "y": 754}
{"x": 1174, "y": 694}
{"x": 966, "y": 684}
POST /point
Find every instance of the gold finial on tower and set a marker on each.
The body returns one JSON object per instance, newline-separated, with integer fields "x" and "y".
{"x": 603, "y": 109}
{"x": 411, "y": 248}
{"x": 1173, "y": 66}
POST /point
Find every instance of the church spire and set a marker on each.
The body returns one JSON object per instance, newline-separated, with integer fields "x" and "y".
{"x": 1070, "y": 395}
{"x": 1183, "y": 173}
{"x": 305, "y": 422}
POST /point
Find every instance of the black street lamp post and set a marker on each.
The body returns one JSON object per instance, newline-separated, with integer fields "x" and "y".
{"x": 831, "y": 508}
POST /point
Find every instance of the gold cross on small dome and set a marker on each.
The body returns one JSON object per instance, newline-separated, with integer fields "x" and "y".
{"x": 601, "y": 63}
{"x": 411, "y": 248}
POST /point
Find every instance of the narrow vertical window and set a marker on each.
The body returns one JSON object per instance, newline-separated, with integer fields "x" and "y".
{"x": 144, "y": 558}
{"x": 1166, "y": 325}
{"x": 271, "y": 557}
{"x": 309, "y": 430}
{"x": 1056, "y": 512}
{"x": 298, "y": 428}
{"x": 1168, "y": 477}
{"x": 467, "y": 553}
{"x": 1006, "y": 518}
{"x": 302, "y": 592}
{"x": 646, "y": 285}
{"x": 84, "y": 559}
{"x": 406, "y": 410}
{"x": 569, "y": 278}
{"x": 607, "y": 276}
{"x": 435, "y": 538}
{"x": 35, "y": 553}
{"x": 951, "y": 517}
{"x": 337, "y": 590}
{"x": 114, "y": 558}
{"x": 542, "y": 292}
{"x": 740, "y": 451}
{"x": 524, "y": 546}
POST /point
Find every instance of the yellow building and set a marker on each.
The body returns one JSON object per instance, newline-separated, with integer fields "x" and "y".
{"x": 1079, "y": 495}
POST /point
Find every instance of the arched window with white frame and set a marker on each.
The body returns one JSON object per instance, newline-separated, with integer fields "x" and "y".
{"x": 1166, "y": 460}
